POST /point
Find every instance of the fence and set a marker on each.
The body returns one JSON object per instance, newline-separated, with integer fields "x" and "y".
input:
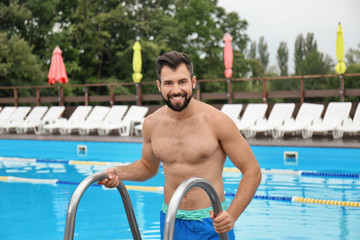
{"x": 229, "y": 94}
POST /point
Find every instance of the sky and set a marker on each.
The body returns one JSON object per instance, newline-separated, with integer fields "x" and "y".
{"x": 284, "y": 20}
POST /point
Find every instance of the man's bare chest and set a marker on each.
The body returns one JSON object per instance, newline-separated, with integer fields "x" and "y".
{"x": 188, "y": 144}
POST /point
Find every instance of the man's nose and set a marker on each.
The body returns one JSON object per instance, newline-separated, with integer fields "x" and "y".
{"x": 176, "y": 88}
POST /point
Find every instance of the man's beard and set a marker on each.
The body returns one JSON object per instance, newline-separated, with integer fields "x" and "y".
{"x": 177, "y": 107}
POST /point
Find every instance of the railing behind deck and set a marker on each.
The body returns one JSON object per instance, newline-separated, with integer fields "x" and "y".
{"x": 56, "y": 95}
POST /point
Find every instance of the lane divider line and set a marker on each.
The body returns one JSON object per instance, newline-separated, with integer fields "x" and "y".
{"x": 28, "y": 180}
{"x": 328, "y": 202}
{"x": 304, "y": 200}
{"x": 303, "y": 173}
{"x": 226, "y": 169}
{"x": 54, "y": 182}
{"x": 18, "y": 159}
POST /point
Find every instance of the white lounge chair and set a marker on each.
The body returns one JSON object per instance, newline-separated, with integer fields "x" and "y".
{"x": 336, "y": 113}
{"x": 351, "y": 126}
{"x": 253, "y": 113}
{"x": 6, "y": 113}
{"x": 133, "y": 116}
{"x": 280, "y": 113}
{"x": 97, "y": 114}
{"x": 115, "y": 114}
{"x": 80, "y": 113}
{"x": 35, "y": 125}
{"x": 16, "y": 118}
{"x": 138, "y": 128}
{"x": 34, "y": 116}
{"x": 232, "y": 110}
{"x": 307, "y": 113}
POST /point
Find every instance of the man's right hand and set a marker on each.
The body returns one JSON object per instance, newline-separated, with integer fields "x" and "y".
{"x": 112, "y": 179}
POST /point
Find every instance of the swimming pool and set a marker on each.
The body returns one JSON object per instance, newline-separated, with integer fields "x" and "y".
{"x": 37, "y": 210}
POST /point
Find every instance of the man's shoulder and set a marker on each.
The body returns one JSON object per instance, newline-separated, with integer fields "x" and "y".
{"x": 209, "y": 110}
{"x": 205, "y": 107}
{"x": 155, "y": 116}
{"x": 214, "y": 117}
{"x": 157, "y": 113}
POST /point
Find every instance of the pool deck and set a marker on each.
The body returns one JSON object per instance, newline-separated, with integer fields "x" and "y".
{"x": 290, "y": 141}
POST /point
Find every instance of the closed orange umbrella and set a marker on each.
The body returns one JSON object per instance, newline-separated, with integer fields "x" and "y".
{"x": 228, "y": 62}
{"x": 228, "y": 55}
{"x": 57, "y": 71}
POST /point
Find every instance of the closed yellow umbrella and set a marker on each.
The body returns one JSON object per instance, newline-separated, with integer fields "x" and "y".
{"x": 137, "y": 62}
{"x": 340, "y": 50}
{"x": 340, "y": 66}
{"x": 137, "y": 76}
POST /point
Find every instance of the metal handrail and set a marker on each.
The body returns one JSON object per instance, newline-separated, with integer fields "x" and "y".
{"x": 177, "y": 197}
{"x": 79, "y": 191}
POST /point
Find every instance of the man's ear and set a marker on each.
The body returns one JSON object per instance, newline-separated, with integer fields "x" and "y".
{"x": 158, "y": 83}
{"x": 193, "y": 82}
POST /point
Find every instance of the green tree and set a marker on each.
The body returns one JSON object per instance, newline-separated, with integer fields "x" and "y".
{"x": 32, "y": 20}
{"x": 308, "y": 60}
{"x": 353, "y": 66}
{"x": 299, "y": 54}
{"x": 97, "y": 37}
{"x": 18, "y": 65}
{"x": 204, "y": 27}
{"x": 252, "y": 52}
{"x": 256, "y": 67}
{"x": 282, "y": 58}
{"x": 288, "y": 84}
{"x": 13, "y": 16}
{"x": 236, "y": 26}
{"x": 263, "y": 53}
{"x": 353, "y": 56}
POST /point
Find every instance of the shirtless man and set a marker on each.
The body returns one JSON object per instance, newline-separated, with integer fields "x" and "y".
{"x": 191, "y": 139}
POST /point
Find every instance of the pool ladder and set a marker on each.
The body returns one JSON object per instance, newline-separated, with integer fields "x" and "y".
{"x": 170, "y": 216}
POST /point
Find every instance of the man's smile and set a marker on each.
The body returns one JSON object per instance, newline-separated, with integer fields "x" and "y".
{"x": 177, "y": 98}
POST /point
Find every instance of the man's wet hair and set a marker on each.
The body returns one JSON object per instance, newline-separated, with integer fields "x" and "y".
{"x": 173, "y": 60}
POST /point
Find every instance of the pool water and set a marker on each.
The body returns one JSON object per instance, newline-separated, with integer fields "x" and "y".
{"x": 38, "y": 211}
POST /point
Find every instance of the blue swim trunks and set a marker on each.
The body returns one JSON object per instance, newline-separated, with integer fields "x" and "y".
{"x": 193, "y": 225}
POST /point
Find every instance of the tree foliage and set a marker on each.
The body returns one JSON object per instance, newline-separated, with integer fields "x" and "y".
{"x": 353, "y": 66}
{"x": 18, "y": 65}
{"x": 282, "y": 58}
{"x": 96, "y": 38}
{"x": 252, "y": 52}
{"x": 353, "y": 56}
{"x": 308, "y": 60}
{"x": 263, "y": 53}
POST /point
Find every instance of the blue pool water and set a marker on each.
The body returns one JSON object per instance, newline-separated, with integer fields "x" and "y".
{"x": 38, "y": 211}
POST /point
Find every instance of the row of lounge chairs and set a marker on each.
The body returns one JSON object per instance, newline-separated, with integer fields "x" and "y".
{"x": 128, "y": 120}
{"x": 84, "y": 120}
{"x": 308, "y": 120}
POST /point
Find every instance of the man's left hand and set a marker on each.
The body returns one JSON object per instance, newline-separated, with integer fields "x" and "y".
{"x": 223, "y": 222}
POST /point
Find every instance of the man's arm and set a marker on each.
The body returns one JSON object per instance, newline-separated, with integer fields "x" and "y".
{"x": 239, "y": 152}
{"x": 140, "y": 170}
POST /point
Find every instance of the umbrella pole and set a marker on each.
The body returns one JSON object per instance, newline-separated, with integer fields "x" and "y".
{"x": 59, "y": 98}
{"x": 137, "y": 94}
{"x": 341, "y": 92}
{"x": 228, "y": 90}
